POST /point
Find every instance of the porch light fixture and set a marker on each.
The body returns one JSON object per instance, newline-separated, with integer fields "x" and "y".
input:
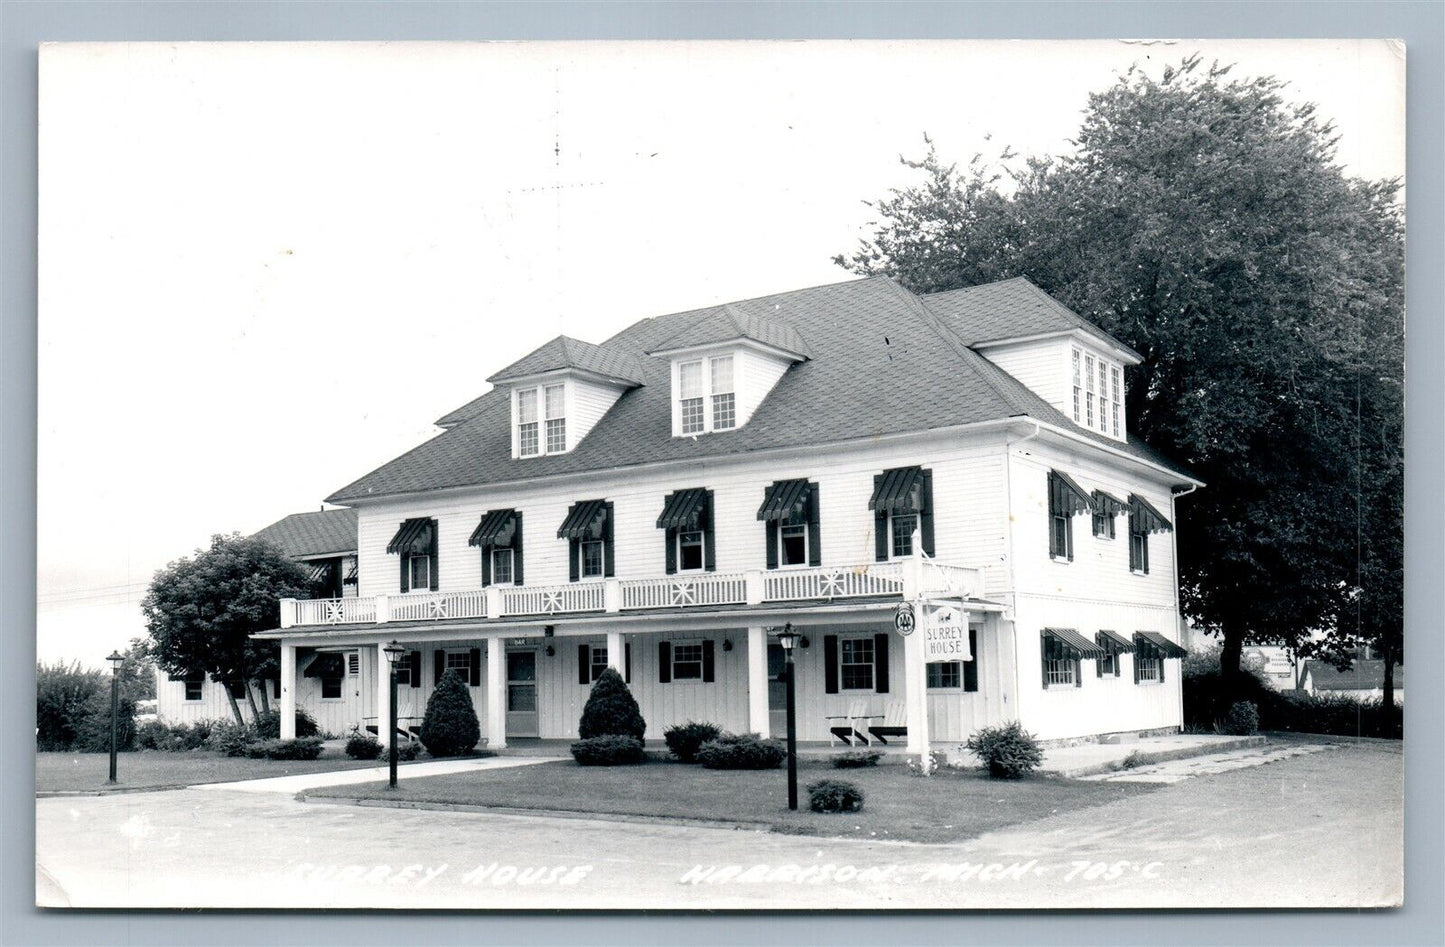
{"x": 727, "y": 644}
{"x": 551, "y": 651}
{"x": 393, "y": 653}
{"x": 116, "y": 659}
{"x": 548, "y": 631}
{"x": 788, "y": 638}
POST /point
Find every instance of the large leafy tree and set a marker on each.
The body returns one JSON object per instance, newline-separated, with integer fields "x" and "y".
{"x": 1203, "y": 220}
{"x": 202, "y": 610}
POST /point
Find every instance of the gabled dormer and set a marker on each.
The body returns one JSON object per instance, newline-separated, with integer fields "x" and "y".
{"x": 722, "y": 367}
{"x": 560, "y": 391}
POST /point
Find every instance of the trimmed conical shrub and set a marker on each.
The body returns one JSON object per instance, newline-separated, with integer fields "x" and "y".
{"x": 450, "y": 726}
{"x": 611, "y": 710}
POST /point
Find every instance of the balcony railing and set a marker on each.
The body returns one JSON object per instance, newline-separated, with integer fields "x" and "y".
{"x": 613, "y": 595}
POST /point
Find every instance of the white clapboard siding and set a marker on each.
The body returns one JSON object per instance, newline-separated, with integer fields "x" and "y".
{"x": 754, "y": 375}
{"x": 587, "y": 402}
{"x": 1043, "y": 366}
{"x": 173, "y": 708}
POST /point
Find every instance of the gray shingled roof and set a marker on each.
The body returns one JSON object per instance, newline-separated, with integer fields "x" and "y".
{"x": 300, "y": 535}
{"x": 883, "y": 363}
{"x": 1009, "y": 309}
{"x": 565, "y": 352}
{"x": 731, "y": 321}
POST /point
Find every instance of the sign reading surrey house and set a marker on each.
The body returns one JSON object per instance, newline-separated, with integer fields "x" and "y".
{"x": 945, "y": 635}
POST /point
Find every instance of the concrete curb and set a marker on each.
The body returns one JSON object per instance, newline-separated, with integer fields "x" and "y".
{"x": 1159, "y": 756}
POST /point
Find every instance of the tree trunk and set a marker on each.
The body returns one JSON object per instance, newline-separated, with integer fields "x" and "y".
{"x": 1388, "y": 653}
{"x": 235, "y": 707}
{"x": 1233, "y": 650}
{"x": 265, "y": 697}
{"x": 251, "y": 699}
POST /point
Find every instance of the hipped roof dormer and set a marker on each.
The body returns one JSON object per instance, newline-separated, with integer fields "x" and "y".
{"x": 723, "y": 366}
{"x": 560, "y": 391}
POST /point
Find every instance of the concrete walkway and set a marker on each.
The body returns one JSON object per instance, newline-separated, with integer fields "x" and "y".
{"x": 1178, "y": 770}
{"x": 1088, "y": 759}
{"x": 348, "y": 777}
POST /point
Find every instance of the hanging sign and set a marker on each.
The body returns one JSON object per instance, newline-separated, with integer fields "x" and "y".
{"x": 903, "y": 618}
{"x": 945, "y": 635}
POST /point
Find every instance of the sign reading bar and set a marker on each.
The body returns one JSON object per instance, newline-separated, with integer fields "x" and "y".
{"x": 945, "y": 635}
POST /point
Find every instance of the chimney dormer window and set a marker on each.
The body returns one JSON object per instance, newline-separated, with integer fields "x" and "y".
{"x": 541, "y": 420}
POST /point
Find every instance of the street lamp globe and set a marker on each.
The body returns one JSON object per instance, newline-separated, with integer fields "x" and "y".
{"x": 116, "y": 659}
{"x": 393, "y": 653}
{"x": 788, "y": 638}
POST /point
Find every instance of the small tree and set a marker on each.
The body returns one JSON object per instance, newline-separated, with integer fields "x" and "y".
{"x": 450, "y": 726}
{"x": 63, "y": 701}
{"x": 611, "y": 709}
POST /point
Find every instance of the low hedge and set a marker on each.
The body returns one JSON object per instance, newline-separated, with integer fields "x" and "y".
{"x": 856, "y": 759}
{"x": 741, "y": 751}
{"x": 684, "y": 740}
{"x": 1209, "y": 696}
{"x": 362, "y": 746}
{"x": 304, "y": 748}
{"x": 834, "y": 795}
{"x": 609, "y": 749}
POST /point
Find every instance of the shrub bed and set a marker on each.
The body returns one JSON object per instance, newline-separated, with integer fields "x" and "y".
{"x": 363, "y": 746}
{"x": 268, "y": 725}
{"x": 304, "y": 748}
{"x": 609, "y": 749}
{"x": 686, "y": 739}
{"x": 856, "y": 759}
{"x": 1209, "y": 696}
{"x": 741, "y": 751}
{"x": 834, "y": 795}
{"x": 1008, "y": 751}
{"x": 1242, "y": 719}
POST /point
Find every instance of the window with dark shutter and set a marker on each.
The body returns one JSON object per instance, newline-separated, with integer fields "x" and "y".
{"x": 588, "y": 529}
{"x": 499, "y": 537}
{"x": 1143, "y": 520}
{"x": 415, "y": 545}
{"x": 790, "y": 513}
{"x": 1066, "y": 500}
{"x": 902, "y": 505}
{"x": 687, "y": 526}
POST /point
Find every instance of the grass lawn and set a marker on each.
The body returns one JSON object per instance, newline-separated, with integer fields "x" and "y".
{"x": 152, "y": 768}
{"x": 948, "y": 807}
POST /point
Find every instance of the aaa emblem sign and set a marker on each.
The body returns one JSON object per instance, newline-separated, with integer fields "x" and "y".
{"x": 903, "y": 619}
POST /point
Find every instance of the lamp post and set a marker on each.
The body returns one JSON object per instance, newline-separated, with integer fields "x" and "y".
{"x": 116, "y": 659}
{"x": 788, "y": 638}
{"x": 393, "y": 654}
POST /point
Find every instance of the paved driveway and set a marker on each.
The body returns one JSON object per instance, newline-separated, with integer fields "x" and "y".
{"x": 1318, "y": 829}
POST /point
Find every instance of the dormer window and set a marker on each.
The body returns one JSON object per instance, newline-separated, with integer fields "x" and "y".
{"x": 1098, "y": 390}
{"x": 706, "y": 397}
{"x": 724, "y": 401}
{"x": 541, "y": 420}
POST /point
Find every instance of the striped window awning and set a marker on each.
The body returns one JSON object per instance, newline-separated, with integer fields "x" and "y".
{"x": 1066, "y": 497}
{"x": 1114, "y": 642}
{"x": 1076, "y": 644}
{"x": 1159, "y": 643}
{"x": 685, "y": 509}
{"x": 414, "y": 536}
{"x": 785, "y": 500}
{"x": 320, "y": 571}
{"x": 585, "y": 520}
{"x": 326, "y": 664}
{"x": 1143, "y": 518}
{"x": 353, "y": 573}
{"x": 900, "y": 491}
{"x": 497, "y": 528}
{"x": 1106, "y": 504}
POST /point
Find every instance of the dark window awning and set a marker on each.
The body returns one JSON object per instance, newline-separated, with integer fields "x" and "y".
{"x": 1076, "y": 644}
{"x": 414, "y": 537}
{"x": 584, "y": 520}
{"x": 785, "y": 500}
{"x": 1160, "y": 643}
{"x": 1106, "y": 504}
{"x": 1115, "y": 642}
{"x": 320, "y": 571}
{"x": 1066, "y": 497}
{"x": 900, "y": 491}
{"x": 497, "y": 528}
{"x": 1143, "y": 518}
{"x": 353, "y": 573}
{"x": 327, "y": 664}
{"x": 685, "y": 509}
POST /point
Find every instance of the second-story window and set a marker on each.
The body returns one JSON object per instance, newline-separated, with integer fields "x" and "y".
{"x": 588, "y": 531}
{"x": 687, "y": 522}
{"x": 499, "y": 536}
{"x": 1066, "y": 500}
{"x": 1143, "y": 520}
{"x": 902, "y": 502}
{"x": 502, "y": 571}
{"x": 790, "y": 511}
{"x": 689, "y": 551}
{"x": 793, "y": 545}
{"x": 589, "y": 558}
{"x": 415, "y": 544}
{"x": 706, "y": 396}
{"x": 420, "y": 569}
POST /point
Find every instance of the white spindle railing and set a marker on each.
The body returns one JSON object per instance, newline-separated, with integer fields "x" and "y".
{"x": 791, "y": 585}
{"x": 437, "y": 606}
{"x": 553, "y": 599}
{"x": 951, "y": 580}
{"x": 335, "y": 611}
{"x": 680, "y": 591}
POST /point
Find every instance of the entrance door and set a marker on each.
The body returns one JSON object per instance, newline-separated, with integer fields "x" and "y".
{"x": 521, "y": 694}
{"x": 777, "y": 690}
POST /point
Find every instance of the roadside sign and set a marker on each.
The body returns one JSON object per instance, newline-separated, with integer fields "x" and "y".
{"x": 903, "y": 618}
{"x": 945, "y": 635}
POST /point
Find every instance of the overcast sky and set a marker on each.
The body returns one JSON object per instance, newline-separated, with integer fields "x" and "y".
{"x": 265, "y": 269}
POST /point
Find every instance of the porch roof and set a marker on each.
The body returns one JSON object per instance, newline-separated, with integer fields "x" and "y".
{"x": 577, "y": 623}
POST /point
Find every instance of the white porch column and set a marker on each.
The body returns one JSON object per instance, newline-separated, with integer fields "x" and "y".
{"x": 615, "y": 652}
{"x": 758, "y": 716}
{"x": 288, "y": 692}
{"x": 496, "y": 693}
{"x": 384, "y": 732}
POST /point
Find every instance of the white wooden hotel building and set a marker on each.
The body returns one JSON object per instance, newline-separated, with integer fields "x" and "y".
{"x": 666, "y": 501}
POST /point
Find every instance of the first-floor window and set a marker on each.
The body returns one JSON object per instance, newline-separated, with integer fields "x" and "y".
{"x": 689, "y": 551}
{"x": 419, "y": 568}
{"x": 1148, "y": 665}
{"x": 856, "y": 664}
{"x": 902, "y": 526}
{"x": 193, "y": 687}
{"x": 589, "y": 558}
{"x": 949, "y": 674}
{"x": 687, "y": 662}
{"x": 599, "y": 661}
{"x": 461, "y": 662}
{"x": 793, "y": 545}
{"x": 1059, "y": 666}
{"x": 331, "y": 688}
{"x": 403, "y": 668}
{"x": 502, "y": 567}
